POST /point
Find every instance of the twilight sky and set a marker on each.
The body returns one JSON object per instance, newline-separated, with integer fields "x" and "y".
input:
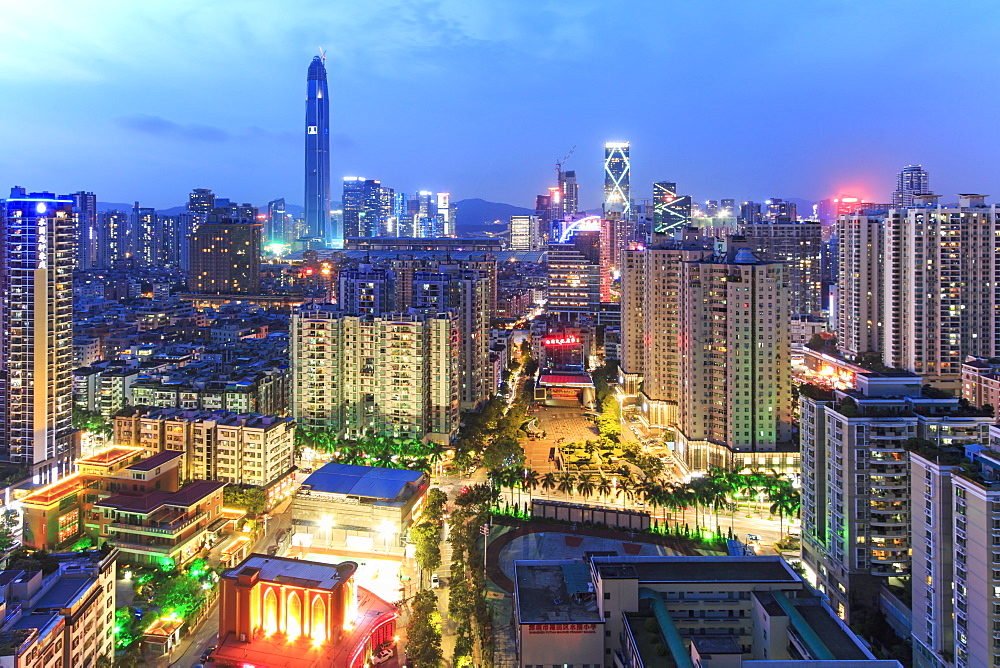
{"x": 729, "y": 98}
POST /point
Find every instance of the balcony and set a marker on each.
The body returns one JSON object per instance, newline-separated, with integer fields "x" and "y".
{"x": 158, "y": 528}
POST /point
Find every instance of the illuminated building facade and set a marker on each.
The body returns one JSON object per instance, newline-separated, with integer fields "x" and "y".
{"x": 317, "y": 168}
{"x": 146, "y": 229}
{"x": 798, "y": 244}
{"x": 734, "y": 388}
{"x": 363, "y": 210}
{"x": 574, "y": 283}
{"x": 366, "y": 290}
{"x": 617, "y": 197}
{"x": 279, "y": 224}
{"x": 940, "y": 302}
{"x": 36, "y": 340}
{"x": 911, "y": 181}
{"x": 289, "y": 612}
{"x": 225, "y": 256}
{"x": 859, "y": 496}
{"x": 524, "y": 233}
{"x": 87, "y": 234}
{"x": 571, "y": 193}
{"x": 670, "y": 210}
{"x": 859, "y": 296}
{"x": 391, "y": 375}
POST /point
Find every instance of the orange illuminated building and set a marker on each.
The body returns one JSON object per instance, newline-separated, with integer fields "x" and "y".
{"x": 276, "y": 611}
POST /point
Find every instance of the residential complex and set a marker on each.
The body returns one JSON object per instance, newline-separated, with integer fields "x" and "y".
{"x": 797, "y": 244}
{"x": 389, "y": 375}
{"x": 856, "y": 499}
{"x": 237, "y": 448}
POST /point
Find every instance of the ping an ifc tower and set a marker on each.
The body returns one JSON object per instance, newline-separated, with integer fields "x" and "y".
{"x": 318, "y": 155}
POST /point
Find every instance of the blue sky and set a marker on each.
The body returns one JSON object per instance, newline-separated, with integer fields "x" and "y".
{"x": 729, "y": 99}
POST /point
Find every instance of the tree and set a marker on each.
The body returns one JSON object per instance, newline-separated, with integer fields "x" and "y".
{"x": 566, "y": 484}
{"x": 423, "y": 631}
{"x": 585, "y": 486}
{"x": 246, "y": 497}
{"x": 8, "y": 525}
{"x": 548, "y": 482}
{"x": 427, "y": 538}
{"x": 604, "y": 487}
{"x": 434, "y": 504}
{"x": 531, "y": 481}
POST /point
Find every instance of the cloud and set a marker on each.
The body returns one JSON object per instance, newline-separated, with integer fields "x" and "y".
{"x": 159, "y": 126}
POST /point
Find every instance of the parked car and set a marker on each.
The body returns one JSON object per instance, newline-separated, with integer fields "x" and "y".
{"x": 381, "y": 657}
{"x": 435, "y": 581}
{"x": 753, "y": 539}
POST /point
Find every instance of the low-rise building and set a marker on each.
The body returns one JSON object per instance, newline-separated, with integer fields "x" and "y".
{"x": 359, "y": 507}
{"x": 162, "y": 528}
{"x": 981, "y": 381}
{"x": 635, "y": 612}
{"x": 300, "y": 614}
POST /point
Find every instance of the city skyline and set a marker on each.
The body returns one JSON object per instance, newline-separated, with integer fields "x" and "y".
{"x": 170, "y": 121}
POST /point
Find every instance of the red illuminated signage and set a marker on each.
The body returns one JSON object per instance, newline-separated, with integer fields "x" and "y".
{"x": 565, "y": 340}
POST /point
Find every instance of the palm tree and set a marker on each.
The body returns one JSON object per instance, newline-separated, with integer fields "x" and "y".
{"x": 530, "y": 481}
{"x": 567, "y": 482}
{"x": 604, "y": 487}
{"x": 548, "y": 482}
{"x": 585, "y": 486}
{"x": 785, "y": 502}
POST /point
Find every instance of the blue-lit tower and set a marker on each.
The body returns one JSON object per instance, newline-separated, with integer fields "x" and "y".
{"x": 318, "y": 156}
{"x": 36, "y": 338}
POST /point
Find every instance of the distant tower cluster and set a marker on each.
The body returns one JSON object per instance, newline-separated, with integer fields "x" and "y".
{"x": 317, "y": 203}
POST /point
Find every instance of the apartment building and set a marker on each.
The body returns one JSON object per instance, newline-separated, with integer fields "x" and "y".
{"x": 733, "y": 351}
{"x": 798, "y": 245}
{"x": 856, "y": 503}
{"x": 941, "y": 266}
{"x": 981, "y": 381}
{"x": 62, "y": 619}
{"x": 859, "y": 286}
{"x": 239, "y": 448}
{"x": 395, "y": 375}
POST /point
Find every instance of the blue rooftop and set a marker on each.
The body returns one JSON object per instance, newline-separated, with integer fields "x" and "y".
{"x": 367, "y": 481}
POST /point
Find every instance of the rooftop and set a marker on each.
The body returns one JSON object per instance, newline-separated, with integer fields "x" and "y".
{"x": 191, "y": 494}
{"x": 553, "y": 591}
{"x": 159, "y": 459}
{"x": 696, "y": 569}
{"x": 110, "y": 456}
{"x": 582, "y": 380}
{"x": 295, "y": 572}
{"x": 366, "y": 481}
{"x": 56, "y": 491}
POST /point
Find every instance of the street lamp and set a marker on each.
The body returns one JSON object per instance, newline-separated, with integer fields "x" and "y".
{"x": 326, "y": 522}
{"x": 386, "y": 530}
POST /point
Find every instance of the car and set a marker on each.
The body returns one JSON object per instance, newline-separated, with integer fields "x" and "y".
{"x": 381, "y": 657}
{"x": 753, "y": 539}
{"x": 435, "y": 581}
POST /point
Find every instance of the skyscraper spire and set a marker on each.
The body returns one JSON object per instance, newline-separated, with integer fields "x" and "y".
{"x": 317, "y": 201}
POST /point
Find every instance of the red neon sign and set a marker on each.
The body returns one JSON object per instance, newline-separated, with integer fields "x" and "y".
{"x": 567, "y": 340}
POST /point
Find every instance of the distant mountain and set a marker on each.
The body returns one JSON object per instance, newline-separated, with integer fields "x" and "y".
{"x": 478, "y": 215}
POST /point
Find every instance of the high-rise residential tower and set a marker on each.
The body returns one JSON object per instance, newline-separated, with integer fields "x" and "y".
{"x": 940, "y": 304}
{"x": 87, "y": 235}
{"x": 225, "y": 255}
{"x": 860, "y": 298}
{"x": 798, "y": 244}
{"x": 617, "y": 197}
{"x": 36, "y": 340}
{"x": 318, "y": 155}
{"x": 571, "y": 193}
{"x": 912, "y": 180}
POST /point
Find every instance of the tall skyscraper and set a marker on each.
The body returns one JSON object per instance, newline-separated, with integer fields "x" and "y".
{"x": 363, "y": 208}
{"x": 278, "y": 225}
{"x": 146, "y": 233}
{"x": 36, "y": 340}
{"x": 201, "y": 201}
{"x": 318, "y": 155}
{"x": 225, "y": 255}
{"x": 671, "y": 211}
{"x": 113, "y": 237}
{"x": 912, "y": 180}
{"x": 616, "y": 179}
{"x": 571, "y": 193}
{"x": 859, "y": 283}
{"x": 87, "y": 235}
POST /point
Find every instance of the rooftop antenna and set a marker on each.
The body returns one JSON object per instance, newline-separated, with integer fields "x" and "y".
{"x": 322, "y": 54}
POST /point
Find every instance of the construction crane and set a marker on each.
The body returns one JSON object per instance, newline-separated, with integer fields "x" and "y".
{"x": 560, "y": 163}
